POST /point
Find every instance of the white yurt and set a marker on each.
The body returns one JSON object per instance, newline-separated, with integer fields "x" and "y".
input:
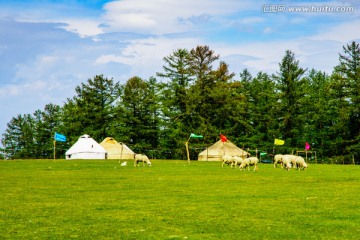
{"x": 86, "y": 148}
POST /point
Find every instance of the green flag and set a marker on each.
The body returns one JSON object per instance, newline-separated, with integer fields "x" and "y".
{"x": 193, "y": 135}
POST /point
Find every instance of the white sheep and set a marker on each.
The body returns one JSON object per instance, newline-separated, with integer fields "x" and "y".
{"x": 278, "y": 159}
{"x": 123, "y": 164}
{"x": 237, "y": 160}
{"x": 249, "y": 162}
{"x": 141, "y": 158}
{"x": 300, "y": 163}
{"x": 288, "y": 161}
{"x": 228, "y": 160}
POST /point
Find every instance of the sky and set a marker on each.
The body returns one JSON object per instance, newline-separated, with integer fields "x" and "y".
{"x": 48, "y": 47}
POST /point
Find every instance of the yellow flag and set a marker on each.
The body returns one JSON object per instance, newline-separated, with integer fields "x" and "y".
{"x": 279, "y": 142}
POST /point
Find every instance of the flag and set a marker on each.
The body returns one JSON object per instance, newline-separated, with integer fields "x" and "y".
{"x": 279, "y": 142}
{"x": 223, "y": 138}
{"x": 193, "y": 135}
{"x": 59, "y": 137}
{"x": 263, "y": 154}
{"x": 307, "y": 146}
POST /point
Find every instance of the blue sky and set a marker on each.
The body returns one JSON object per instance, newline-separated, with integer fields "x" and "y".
{"x": 47, "y": 48}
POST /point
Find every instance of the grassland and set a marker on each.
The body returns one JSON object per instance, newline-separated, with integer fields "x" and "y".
{"x": 46, "y": 199}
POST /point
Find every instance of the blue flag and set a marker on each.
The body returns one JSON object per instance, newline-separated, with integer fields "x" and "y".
{"x": 59, "y": 137}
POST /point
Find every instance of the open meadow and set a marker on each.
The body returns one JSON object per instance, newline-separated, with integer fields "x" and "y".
{"x": 99, "y": 199}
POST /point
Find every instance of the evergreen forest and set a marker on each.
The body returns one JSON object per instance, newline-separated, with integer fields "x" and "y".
{"x": 196, "y": 93}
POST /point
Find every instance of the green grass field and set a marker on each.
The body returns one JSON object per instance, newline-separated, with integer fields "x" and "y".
{"x": 46, "y": 199}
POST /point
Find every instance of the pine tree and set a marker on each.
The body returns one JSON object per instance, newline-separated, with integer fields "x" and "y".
{"x": 46, "y": 123}
{"x": 203, "y": 93}
{"x": 263, "y": 111}
{"x": 138, "y": 114}
{"x": 349, "y": 68}
{"x": 18, "y": 138}
{"x": 339, "y": 110}
{"x": 91, "y": 110}
{"x": 176, "y": 70}
{"x": 176, "y": 116}
{"x": 317, "y": 115}
{"x": 290, "y": 86}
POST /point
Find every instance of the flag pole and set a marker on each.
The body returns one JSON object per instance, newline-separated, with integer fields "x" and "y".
{"x": 187, "y": 150}
{"x": 54, "y": 150}
{"x": 187, "y": 144}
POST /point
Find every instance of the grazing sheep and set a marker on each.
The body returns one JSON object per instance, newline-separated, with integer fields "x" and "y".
{"x": 237, "y": 160}
{"x": 300, "y": 163}
{"x": 123, "y": 164}
{"x": 288, "y": 161}
{"x": 249, "y": 162}
{"x": 278, "y": 159}
{"x": 228, "y": 160}
{"x": 293, "y": 162}
{"x": 141, "y": 158}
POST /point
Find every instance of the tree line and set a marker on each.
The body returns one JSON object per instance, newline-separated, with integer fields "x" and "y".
{"x": 196, "y": 93}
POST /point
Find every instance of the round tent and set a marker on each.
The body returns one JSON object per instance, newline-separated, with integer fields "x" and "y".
{"x": 116, "y": 150}
{"x": 219, "y": 149}
{"x": 86, "y": 148}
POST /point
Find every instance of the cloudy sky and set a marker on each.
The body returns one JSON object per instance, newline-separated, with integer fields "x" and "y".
{"x": 48, "y": 47}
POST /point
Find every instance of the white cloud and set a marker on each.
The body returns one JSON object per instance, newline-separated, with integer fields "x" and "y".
{"x": 250, "y": 20}
{"x": 268, "y": 30}
{"x": 145, "y": 55}
{"x": 9, "y": 90}
{"x": 83, "y": 27}
{"x": 164, "y": 16}
{"x": 104, "y": 59}
{"x": 343, "y": 32}
{"x": 132, "y": 37}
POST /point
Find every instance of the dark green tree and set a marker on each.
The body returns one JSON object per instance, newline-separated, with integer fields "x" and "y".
{"x": 47, "y": 122}
{"x": 221, "y": 107}
{"x": 349, "y": 69}
{"x": 244, "y": 89}
{"x": 153, "y": 105}
{"x": 72, "y": 118}
{"x": 318, "y": 116}
{"x": 138, "y": 114}
{"x": 339, "y": 131}
{"x": 177, "y": 72}
{"x": 263, "y": 112}
{"x": 205, "y": 93}
{"x": 290, "y": 84}
{"x": 91, "y": 110}
{"x": 18, "y": 138}
{"x": 176, "y": 114}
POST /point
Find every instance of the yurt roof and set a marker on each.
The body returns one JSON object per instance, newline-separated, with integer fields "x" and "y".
{"x": 85, "y": 144}
{"x": 110, "y": 143}
{"x": 219, "y": 149}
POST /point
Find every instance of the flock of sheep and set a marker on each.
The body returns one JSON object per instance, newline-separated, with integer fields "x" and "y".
{"x": 287, "y": 161}
{"x": 243, "y": 163}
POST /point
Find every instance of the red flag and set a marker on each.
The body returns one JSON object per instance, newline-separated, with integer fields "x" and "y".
{"x": 223, "y": 138}
{"x": 307, "y": 146}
